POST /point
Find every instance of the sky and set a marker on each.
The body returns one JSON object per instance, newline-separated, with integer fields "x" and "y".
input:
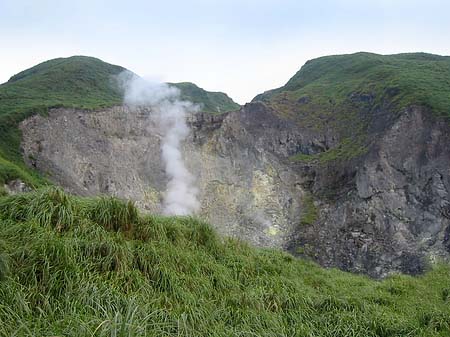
{"x": 241, "y": 47}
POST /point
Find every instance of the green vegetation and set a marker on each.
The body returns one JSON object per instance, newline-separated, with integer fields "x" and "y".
{"x": 211, "y": 102}
{"x": 346, "y": 150}
{"x": 310, "y": 211}
{"x": 74, "y": 82}
{"x": 94, "y": 267}
{"x": 3, "y": 191}
{"x": 82, "y": 82}
{"x": 403, "y": 80}
{"x": 344, "y": 92}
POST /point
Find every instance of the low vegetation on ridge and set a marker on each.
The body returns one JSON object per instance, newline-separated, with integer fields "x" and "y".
{"x": 343, "y": 93}
{"x": 75, "y": 82}
{"x": 96, "y": 267}
{"x": 81, "y": 82}
{"x": 211, "y": 102}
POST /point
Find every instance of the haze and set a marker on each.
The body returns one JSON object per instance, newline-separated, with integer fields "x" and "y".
{"x": 240, "y": 47}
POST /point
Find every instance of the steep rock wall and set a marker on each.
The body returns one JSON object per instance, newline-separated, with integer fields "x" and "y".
{"x": 245, "y": 191}
{"x": 387, "y": 210}
{"x": 394, "y": 214}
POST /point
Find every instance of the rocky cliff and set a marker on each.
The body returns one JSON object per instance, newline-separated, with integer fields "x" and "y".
{"x": 348, "y": 164}
{"x": 247, "y": 189}
{"x": 387, "y": 212}
{"x": 389, "y": 209}
{"x": 77, "y": 81}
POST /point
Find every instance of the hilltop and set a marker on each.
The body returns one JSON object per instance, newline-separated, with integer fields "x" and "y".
{"x": 400, "y": 79}
{"x": 211, "y": 102}
{"x": 343, "y": 93}
{"x": 74, "y": 82}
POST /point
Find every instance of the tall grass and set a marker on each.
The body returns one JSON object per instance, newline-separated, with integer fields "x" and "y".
{"x": 105, "y": 270}
{"x": 53, "y": 207}
{"x": 111, "y": 213}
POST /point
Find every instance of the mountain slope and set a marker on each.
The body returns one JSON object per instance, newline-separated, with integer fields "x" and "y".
{"x": 347, "y": 164}
{"x": 403, "y": 79}
{"x": 85, "y": 267}
{"x": 79, "y": 82}
{"x": 372, "y": 146}
{"x": 343, "y": 93}
{"x": 76, "y": 81}
{"x": 212, "y": 102}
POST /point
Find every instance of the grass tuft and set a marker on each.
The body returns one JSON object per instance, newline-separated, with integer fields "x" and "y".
{"x": 310, "y": 211}
{"x": 111, "y": 213}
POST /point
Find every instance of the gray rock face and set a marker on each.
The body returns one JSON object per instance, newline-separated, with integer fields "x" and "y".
{"x": 394, "y": 215}
{"x": 245, "y": 191}
{"x": 389, "y": 210}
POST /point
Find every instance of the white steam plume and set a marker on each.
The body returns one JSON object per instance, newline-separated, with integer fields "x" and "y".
{"x": 170, "y": 113}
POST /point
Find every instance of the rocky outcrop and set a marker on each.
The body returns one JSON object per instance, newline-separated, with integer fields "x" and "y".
{"x": 394, "y": 213}
{"x": 387, "y": 210}
{"x": 16, "y": 186}
{"x": 246, "y": 191}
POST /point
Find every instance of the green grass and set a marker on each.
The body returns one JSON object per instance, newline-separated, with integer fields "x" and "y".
{"x": 310, "y": 211}
{"x": 79, "y": 81}
{"x": 344, "y": 92}
{"x": 211, "y": 102}
{"x": 67, "y": 270}
{"x": 403, "y": 79}
{"x": 346, "y": 150}
{"x": 75, "y": 82}
{"x": 10, "y": 170}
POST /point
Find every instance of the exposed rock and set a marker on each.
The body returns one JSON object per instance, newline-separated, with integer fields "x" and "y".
{"x": 16, "y": 186}
{"x": 362, "y": 97}
{"x": 245, "y": 190}
{"x": 304, "y": 100}
{"x": 382, "y": 212}
{"x": 396, "y": 212}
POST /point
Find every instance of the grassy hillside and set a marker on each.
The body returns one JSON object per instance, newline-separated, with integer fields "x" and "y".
{"x": 343, "y": 92}
{"x": 214, "y": 102}
{"x": 95, "y": 267}
{"x": 78, "y": 81}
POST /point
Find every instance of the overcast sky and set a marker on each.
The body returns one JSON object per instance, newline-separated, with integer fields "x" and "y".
{"x": 241, "y": 47}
